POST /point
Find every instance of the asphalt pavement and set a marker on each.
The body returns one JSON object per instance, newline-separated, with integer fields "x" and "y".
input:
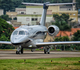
{"x": 36, "y": 54}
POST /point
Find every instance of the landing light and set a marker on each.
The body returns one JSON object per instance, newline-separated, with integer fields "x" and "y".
{"x": 30, "y": 45}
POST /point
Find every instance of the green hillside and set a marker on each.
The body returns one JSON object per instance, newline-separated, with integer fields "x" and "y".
{"x": 10, "y": 5}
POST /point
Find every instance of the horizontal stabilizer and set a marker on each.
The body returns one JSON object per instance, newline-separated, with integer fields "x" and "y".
{"x": 47, "y": 4}
{"x": 40, "y": 4}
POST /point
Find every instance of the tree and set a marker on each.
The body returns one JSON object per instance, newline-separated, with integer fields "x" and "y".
{"x": 9, "y": 5}
{"x": 76, "y": 36}
{"x": 5, "y": 32}
{"x": 5, "y": 29}
{"x": 62, "y": 21}
{"x": 15, "y": 18}
{"x": 78, "y": 4}
{"x": 65, "y": 17}
{"x": 5, "y": 17}
{"x": 64, "y": 38}
{"x": 6, "y": 5}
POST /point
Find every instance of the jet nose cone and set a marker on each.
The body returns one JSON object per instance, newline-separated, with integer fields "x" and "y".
{"x": 18, "y": 39}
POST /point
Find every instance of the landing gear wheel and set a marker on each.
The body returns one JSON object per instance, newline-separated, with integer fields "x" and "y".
{"x": 44, "y": 51}
{"x": 48, "y": 52}
{"x": 31, "y": 50}
{"x": 17, "y": 52}
{"x": 21, "y": 50}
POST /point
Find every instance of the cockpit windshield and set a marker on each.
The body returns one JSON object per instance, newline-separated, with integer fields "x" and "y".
{"x": 15, "y": 32}
{"x": 20, "y": 33}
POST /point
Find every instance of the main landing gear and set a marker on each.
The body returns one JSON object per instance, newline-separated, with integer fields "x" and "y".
{"x": 19, "y": 50}
{"x": 47, "y": 50}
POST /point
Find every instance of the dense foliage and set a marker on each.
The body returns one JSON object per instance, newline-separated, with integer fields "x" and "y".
{"x": 78, "y": 4}
{"x": 5, "y": 17}
{"x": 76, "y": 36}
{"x": 64, "y": 38}
{"x": 5, "y": 31}
{"x": 10, "y": 5}
{"x": 62, "y": 47}
{"x": 62, "y": 21}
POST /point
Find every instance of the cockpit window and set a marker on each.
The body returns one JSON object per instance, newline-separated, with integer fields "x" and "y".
{"x": 21, "y": 33}
{"x": 15, "y": 32}
{"x": 26, "y": 32}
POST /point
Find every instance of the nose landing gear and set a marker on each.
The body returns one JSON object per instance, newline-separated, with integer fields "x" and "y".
{"x": 19, "y": 50}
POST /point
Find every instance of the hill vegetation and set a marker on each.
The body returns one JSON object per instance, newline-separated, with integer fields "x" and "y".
{"x": 10, "y": 5}
{"x": 5, "y": 32}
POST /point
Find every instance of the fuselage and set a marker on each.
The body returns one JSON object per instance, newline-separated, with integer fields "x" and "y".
{"x": 28, "y": 35}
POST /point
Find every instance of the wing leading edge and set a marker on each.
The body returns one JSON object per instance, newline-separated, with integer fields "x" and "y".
{"x": 57, "y": 43}
{"x": 5, "y": 42}
{"x": 48, "y": 4}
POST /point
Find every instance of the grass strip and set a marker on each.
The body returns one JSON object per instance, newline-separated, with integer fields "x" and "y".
{"x": 41, "y": 64}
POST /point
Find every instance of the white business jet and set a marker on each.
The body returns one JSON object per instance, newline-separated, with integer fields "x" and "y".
{"x": 32, "y": 37}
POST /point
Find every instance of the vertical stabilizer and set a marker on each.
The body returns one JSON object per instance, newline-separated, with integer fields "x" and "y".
{"x": 43, "y": 18}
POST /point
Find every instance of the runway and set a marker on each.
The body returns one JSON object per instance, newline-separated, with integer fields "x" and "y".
{"x": 36, "y": 54}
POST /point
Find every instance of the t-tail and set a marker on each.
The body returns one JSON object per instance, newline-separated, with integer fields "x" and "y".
{"x": 45, "y": 7}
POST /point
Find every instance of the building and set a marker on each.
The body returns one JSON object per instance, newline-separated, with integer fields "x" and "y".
{"x": 70, "y": 10}
{"x": 1, "y": 12}
{"x": 15, "y": 23}
{"x": 67, "y": 33}
{"x": 12, "y": 14}
{"x": 33, "y": 15}
{"x": 67, "y": 10}
{"x": 20, "y": 10}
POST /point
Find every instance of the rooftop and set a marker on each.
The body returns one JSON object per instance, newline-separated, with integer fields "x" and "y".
{"x": 67, "y": 33}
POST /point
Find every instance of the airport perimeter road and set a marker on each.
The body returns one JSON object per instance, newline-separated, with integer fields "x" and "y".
{"x": 36, "y": 54}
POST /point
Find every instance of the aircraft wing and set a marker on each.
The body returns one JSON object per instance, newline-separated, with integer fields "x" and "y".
{"x": 57, "y": 43}
{"x": 5, "y": 42}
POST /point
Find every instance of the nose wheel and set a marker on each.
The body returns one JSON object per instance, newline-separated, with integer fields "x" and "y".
{"x": 19, "y": 50}
{"x": 22, "y": 50}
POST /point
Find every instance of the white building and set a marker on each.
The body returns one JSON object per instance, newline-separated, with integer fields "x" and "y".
{"x": 20, "y": 10}
{"x": 1, "y": 12}
{"x": 33, "y": 15}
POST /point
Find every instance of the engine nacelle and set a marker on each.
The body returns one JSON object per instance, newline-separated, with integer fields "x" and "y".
{"x": 53, "y": 30}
